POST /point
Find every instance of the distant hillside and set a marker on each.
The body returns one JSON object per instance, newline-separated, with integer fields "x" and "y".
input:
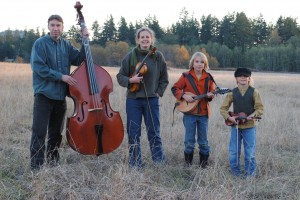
{"x": 14, "y": 32}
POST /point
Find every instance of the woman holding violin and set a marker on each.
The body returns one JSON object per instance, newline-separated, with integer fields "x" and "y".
{"x": 144, "y": 73}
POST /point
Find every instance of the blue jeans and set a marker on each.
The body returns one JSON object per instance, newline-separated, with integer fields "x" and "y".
{"x": 248, "y": 137}
{"x": 48, "y": 116}
{"x": 135, "y": 110}
{"x": 196, "y": 124}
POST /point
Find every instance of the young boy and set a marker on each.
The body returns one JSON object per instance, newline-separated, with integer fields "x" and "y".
{"x": 196, "y": 121}
{"x": 245, "y": 99}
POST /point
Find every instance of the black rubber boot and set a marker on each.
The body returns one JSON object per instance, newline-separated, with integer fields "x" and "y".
{"x": 188, "y": 158}
{"x": 203, "y": 160}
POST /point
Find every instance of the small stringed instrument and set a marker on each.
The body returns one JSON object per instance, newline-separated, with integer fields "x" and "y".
{"x": 183, "y": 106}
{"x": 241, "y": 118}
{"x": 141, "y": 69}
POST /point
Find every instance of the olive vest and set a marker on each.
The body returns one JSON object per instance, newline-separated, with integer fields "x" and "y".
{"x": 243, "y": 103}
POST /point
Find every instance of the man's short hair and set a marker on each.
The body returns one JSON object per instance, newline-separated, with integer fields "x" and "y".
{"x": 57, "y": 17}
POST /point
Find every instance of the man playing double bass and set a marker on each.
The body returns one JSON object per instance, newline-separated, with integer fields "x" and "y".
{"x": 51, "y": 60}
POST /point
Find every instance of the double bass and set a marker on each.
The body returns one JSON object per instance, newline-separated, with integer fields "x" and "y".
{"x": 94, "y": 128}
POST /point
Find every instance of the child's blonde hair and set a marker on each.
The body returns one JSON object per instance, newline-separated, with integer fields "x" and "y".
{"x": 202, "y": 56}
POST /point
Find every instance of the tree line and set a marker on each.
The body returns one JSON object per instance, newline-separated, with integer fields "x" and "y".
{"x": 234, "y": 41}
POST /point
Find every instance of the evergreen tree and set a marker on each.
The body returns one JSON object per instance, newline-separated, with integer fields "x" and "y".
{"x": 73, "y": 34}
{"x": 187, "y": 29}
{"x": 154, "y": 25}
{"x": 123, "y": 31}
{"x": 96, "y": 32}
{"x": 29, "y": 38}
{"x": 109, "y": 31}
{"x": 226, "y": 36}
{"x": 243, "y": 31}
{"x": 170, "y": 38}
{"x": 287, "y": 27}
{"x": 209, "y": 29}
{"x": 261, "y": 31}
{"x": 131, "y": 34}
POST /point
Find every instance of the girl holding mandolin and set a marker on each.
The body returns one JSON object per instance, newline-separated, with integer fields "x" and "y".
{"x": 144, "y": 73}
{"x": 247, "y": 107}
{"x": 196, "y": 81}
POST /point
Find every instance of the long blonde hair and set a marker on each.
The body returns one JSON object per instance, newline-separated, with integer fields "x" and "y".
{"x": 202, "y": 56}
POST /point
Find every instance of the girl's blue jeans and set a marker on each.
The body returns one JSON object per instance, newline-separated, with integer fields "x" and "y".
{"x": 196, "y": 126}
{"x": 149, "y": 109}
{"x": 248, "y": 138}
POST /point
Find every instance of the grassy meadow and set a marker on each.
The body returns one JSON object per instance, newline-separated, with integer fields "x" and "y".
{"x": 108, "y": 177}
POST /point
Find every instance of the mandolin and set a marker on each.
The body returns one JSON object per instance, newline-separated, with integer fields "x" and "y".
{"x": 183, "y": 106}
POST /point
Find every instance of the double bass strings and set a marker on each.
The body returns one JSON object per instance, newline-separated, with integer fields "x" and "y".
{"x": 91, "y": 73}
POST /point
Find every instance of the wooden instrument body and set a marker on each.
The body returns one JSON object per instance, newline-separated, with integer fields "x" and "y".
{"x": 94, "y": 128}
{"x": 183, "y": 106}
{"x": 241, "y": 118}
{"x": 81, "y": 126}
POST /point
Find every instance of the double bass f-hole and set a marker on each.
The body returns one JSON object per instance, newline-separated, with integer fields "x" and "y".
{"x": 108, "y": 114}
{"x": 82, "y": 111}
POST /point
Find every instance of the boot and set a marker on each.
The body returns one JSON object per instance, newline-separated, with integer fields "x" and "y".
{"x": 188, "y": 158}
{"x": 203, "y": 160}
{"x": 53, "y": 158}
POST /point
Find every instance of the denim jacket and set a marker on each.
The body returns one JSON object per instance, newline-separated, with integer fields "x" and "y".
{"x": 50, "y": 60}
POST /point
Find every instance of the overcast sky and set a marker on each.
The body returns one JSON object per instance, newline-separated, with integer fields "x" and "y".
{"x": 30, "y": 14}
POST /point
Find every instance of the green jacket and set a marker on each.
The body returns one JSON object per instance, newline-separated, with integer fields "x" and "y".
{"x": 155, "y": 79}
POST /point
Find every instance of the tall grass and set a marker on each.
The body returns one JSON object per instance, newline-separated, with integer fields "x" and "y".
{"x": 108, "y": 177}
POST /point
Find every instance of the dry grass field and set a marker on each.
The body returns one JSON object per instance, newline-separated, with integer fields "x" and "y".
{"x": 108, "y": 177}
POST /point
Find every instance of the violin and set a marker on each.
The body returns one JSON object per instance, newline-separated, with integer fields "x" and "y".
{"x": 143, "y": 70}
{"x": 140, "y": 69}
{"x": 240, "y": 118}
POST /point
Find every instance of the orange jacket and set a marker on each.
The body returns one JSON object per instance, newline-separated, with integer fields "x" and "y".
{"x": 183, "y": 85}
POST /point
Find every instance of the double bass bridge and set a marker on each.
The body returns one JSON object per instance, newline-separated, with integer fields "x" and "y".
{"x": 95, "y": 109}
